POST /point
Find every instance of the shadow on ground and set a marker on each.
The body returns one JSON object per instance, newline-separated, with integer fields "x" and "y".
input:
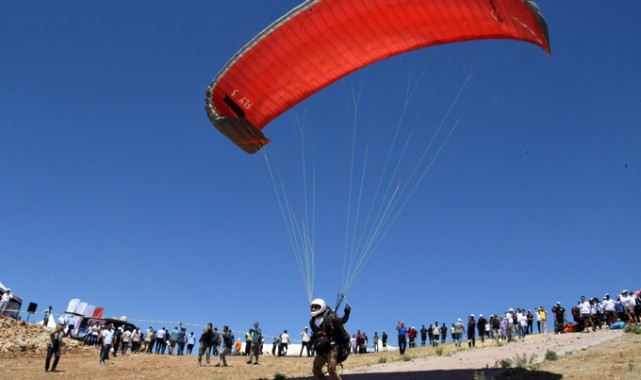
{"x": 460, "y": 374}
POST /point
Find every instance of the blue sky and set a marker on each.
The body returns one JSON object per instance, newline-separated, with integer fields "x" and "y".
{"x": 115, "y": 188}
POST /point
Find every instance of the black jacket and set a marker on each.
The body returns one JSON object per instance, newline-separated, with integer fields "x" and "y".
{"x": 331, "y": 327}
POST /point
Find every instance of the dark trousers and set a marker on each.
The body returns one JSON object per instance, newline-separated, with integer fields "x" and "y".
{"x": 104, "y": 353}
{"x": 160, "y": 345}
{"x": 402, "y": 344}
{"x": 304, "y": 346}
{"x": 52, "y": 352}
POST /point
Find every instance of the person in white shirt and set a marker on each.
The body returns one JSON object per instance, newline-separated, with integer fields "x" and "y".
{"x": 4, "y": 301}
{"x": 597, "y": 312}
{"x": 609, "y": 306}
{"x": 94, "y": 335}
{"x": 191, "y": 341}
{"x": 284, "y": 344}
{"x": 126, "y": 339}
{"x": 629, "y": 304}
{"x": 521, "y": 319}
{"x": 304, "y": 337}
{"x": 586, "y": 314}
{"x": 107, "y": 337}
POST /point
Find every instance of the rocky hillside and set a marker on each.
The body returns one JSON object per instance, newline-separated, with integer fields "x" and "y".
{"x": 20, "y": 338}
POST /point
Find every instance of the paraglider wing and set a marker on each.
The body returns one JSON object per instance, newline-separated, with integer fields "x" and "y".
{"x": 321, "y": 41}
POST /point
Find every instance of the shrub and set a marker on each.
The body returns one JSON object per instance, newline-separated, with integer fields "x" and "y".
{"x": 479, "y": 376}
{"x": 521, "y": 362}
{"x": 382, "y": 360}
{"x": 632, "y": 329}
{"x": 438, "y": 350}
{"x": 551, "y": 355}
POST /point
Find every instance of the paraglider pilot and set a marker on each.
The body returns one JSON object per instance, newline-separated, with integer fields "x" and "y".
{"x": 329, "y": 338}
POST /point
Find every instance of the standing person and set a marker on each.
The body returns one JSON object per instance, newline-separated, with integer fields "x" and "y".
{"x": 284, "y": 344}
{"x": 237, "y": 347}
{"x": 402, "y": 337}
{"x": 522, "y": 321}
{"x": 228, "y": 342}
{"x": 628, "y": 302}
{"x": 329, "y": 338}
{"x": 304, "y": 338}
{"x": 135, "y": 340}
{"x": 375, "y": 340}
{"x": 256, "y": 342}
{"x": 559, "y": 317}
{"x": 384, "y": 341}
{"x": 45, "y": 316}
{"x": 182, "y": 339}
{"x": 160, "y": 341}
{"x": 609, "y": 308}
{"x": 173, "y": 339}
{"x": 586, "y": 314}
{"x": 115, "y": 342}
{"x": 248, "y": 342}
{"x": 544, "y": 319}
{"x": 356, "y": 342}
{"x": 423, "y": 335}
{"x": 216, "y": 343}
{"x": 55, "y": 344}
{"x": 205, "y": 342}
{"x": 496, "y": 327}
{"x": 443, "y": 333}
{"x": 480, "y": 325}
{"x": 191, "y": 342}
{"x": 106, "y": 338}
{"x": 4, "y": 301}
{"x": 471, "y": 338}
{"x": 411, "y": 336}
{"x": 597, "y": 312}
{"x": 459, "y": 330}
{"x": 148, "y": 342}
{"x": 126, "y": 339}
{"x": 530, "y": 322}
{"x": 435, "y": 334}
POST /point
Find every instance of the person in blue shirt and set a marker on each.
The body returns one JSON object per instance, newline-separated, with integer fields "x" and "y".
{"x": 257, "y": 339}
{"x": 402, "y": 337}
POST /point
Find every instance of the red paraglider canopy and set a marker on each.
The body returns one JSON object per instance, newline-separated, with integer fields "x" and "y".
{"x": 321, "y": 41}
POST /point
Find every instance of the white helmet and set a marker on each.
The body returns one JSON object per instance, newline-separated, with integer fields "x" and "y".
{"x": 318, "y": 306}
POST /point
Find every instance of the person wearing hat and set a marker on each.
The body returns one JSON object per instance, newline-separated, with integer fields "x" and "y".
{"x": 559, "y": 317}
{"x": 609, "y": 307}
{"x": 459, "y": 330}
{"x": 629, "y": 304}
{"x": 55, "y": 345}
{"x": 304, "y": 338}
{"x": 480, "y": 326}
{"x": 4, "y": 301}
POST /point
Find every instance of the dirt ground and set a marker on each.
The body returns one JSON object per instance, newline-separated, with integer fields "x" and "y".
{"x": 601, "y": 355}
